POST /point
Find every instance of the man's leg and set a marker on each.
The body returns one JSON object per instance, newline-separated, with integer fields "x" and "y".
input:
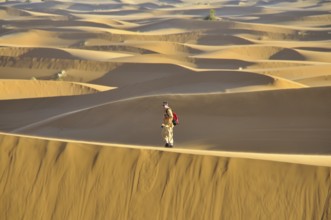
{"x": 165, "y": 136}
{"x": 171, "y": 136}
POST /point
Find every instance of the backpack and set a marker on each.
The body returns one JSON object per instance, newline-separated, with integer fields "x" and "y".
{"x": 175, "y": 120}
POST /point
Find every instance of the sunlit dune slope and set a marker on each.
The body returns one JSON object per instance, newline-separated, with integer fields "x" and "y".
{"x": 20, "y": 89}
{"x": 89, "y": 181}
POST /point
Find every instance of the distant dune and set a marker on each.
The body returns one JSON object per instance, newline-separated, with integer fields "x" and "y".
{"x": 20, "y": 89}
{"x": 81, "y": 87}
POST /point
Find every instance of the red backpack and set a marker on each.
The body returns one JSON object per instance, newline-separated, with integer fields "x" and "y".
{"x": 175, "y": 120}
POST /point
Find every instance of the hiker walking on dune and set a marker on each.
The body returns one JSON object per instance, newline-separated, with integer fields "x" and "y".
{"x": 168, "y": 126}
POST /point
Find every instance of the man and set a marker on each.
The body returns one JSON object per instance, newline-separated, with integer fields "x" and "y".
{"x": 167, "y": 126}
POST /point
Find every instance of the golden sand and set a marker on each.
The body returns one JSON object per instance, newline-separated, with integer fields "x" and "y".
{"x": 81, "y": 87}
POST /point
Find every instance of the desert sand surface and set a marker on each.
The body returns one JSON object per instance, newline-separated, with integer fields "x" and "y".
{"x": 81, "y": 88}
{"x": 72, "y": 180}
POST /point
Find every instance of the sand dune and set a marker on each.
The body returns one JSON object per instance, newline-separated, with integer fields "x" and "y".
{"x": 35, "y": 37}
{"x": 81, "y": 87}
{"x": 19, "y": 89}
{"x": 269, "y": 125}
{"x": 76, "y": 180}
{"x": 257, "y": 52}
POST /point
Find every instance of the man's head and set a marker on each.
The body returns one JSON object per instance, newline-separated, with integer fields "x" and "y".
{"x": 165, "y": 105}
